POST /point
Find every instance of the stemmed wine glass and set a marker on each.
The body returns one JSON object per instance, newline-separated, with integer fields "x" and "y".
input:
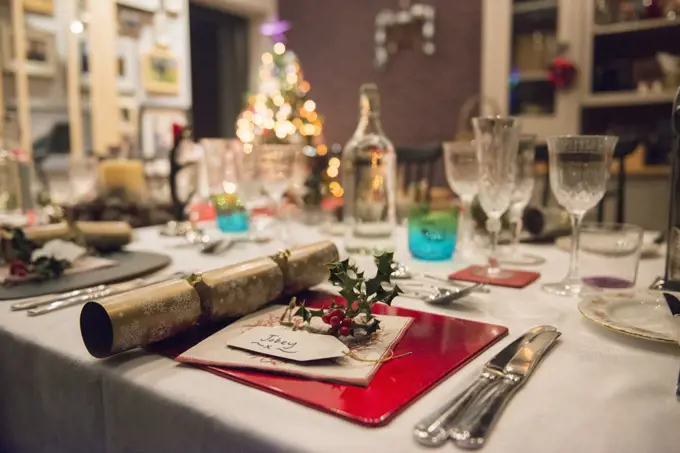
{"x": 521, "y": 195}
{"x": 460, "y": 162}
{"x": 579, "y": 170}
{"x": 497, "y": 140}
{"x": 274, "y": 168}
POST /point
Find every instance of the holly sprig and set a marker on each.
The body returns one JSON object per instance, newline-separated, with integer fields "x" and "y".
{"x": 360, "y": 292}
{"x": 18, "y": 252}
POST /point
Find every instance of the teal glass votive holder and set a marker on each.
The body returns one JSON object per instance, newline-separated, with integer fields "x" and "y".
{"x": 432, "y": 232}
{"x": 230, "y": 213}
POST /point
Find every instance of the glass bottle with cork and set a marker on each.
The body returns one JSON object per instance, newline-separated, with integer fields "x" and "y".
{"x": 369, "y": 168}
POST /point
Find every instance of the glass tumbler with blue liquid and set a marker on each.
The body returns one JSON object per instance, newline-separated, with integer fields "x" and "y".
{"x": 432, "y": 232}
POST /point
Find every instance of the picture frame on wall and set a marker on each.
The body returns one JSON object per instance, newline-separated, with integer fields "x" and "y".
{"x": 157, "y": 130}
{"x": 41, "y": 57}
{"x": 127, "y": 64}
{"x": 150, "y": 6}
{"x": 45, "y": 7}
{"x": 160, "y": 72}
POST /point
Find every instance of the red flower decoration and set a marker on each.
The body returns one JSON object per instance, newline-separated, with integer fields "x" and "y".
{"x": 562, "y": 72}
{"x": 177, "y": 131}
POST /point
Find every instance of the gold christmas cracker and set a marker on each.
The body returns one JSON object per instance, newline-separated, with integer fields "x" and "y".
{"x": 307, "y": 266}
{"x": 157, "y": 312}
{"x": 140, "y": 317}
{"x": 239, "y": 289}
{"x": 103, "y": 236}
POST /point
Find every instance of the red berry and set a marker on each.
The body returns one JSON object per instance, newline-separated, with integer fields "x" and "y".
{"x": 326, "y": 318}
{"x": 339, "y": 313}
{"x": 335, "y": 321}
{"x": 347, "y": 322}
{"x": 344, "y": 331}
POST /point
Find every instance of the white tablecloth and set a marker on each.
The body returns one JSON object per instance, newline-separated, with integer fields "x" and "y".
{"x": 598, "y": 391}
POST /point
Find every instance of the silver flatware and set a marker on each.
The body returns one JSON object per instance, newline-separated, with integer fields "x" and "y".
{"x": 221, "y": 246}
{"x": 32, "y": 302}
{"x": 112, "y": 290}
{"x": 448, "y": 295}
{"x": 476, "y": 423}
{"x": 402, "y": 272}
{"x": 432, "y": 430}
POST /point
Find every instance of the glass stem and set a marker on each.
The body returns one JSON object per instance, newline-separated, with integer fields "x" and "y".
{"x": 493, "y": 226}
{"x": 466, "y": 223}
{"x": 576, "y": 220}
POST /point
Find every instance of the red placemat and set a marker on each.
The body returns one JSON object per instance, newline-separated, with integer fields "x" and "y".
{"x": 439, "y": 345}
{"x": 519, "y": 279}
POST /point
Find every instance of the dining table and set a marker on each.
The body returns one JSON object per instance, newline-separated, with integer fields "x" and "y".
{"x": 597, "y": 390}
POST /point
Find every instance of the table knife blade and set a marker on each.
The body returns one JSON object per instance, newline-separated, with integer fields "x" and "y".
{"x": 432, "y": 430}
{"x": 473, "y": 427}
{"x": 37, "y": 301}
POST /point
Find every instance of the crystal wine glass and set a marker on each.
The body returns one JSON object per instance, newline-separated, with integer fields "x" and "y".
{"x": 521, "y": 195}
{"x": 497, "y": 140}
{"x": 460, "y": 162}
{"x": 274, "y": 168}
{"x": 579, "y": 170}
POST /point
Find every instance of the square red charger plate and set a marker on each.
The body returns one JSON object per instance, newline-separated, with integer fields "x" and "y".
{"x": 438, "y": 346}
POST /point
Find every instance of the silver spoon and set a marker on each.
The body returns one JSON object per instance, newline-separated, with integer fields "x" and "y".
{"x": 447, "y": 295}
{"x": 220, "y": 246}
{"x": 402, "y": 272}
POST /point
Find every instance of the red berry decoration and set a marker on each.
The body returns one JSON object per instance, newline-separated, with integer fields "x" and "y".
{"x": 347, "y": 322}
{"x": 339, "y": 313}
{"x": 326, "y": 318}
{"x": 18, "y": 268}
{"x": 344, "y": 331}
{"x": 335, "y": 321}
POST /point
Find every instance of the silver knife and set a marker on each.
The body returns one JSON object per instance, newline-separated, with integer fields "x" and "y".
{"x": 432, "y": 430}
{"x": 32, "y": 302}
{"x": 475, "y": 424}
{"x": 110, "y": 291}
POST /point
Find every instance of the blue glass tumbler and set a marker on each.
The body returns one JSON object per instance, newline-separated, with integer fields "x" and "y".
{"x": 432, "y": 232}
{"x": 231, "y": 215}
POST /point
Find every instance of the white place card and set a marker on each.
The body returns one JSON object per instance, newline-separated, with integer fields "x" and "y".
{"x": 357, "y": 368}
{"x": 289, "y": 344}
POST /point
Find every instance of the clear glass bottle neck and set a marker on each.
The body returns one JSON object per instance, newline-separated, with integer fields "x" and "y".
{"x": 369, "y": 118}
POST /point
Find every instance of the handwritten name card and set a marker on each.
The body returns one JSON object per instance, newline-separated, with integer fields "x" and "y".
{"x": 289, "y": 344}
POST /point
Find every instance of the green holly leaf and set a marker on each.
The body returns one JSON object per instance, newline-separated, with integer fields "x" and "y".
{"x": 384, "y": 263}
{"x": 349, "y": 294}
{"x": 303, "y": 313}
{"x": 373, "y": 327}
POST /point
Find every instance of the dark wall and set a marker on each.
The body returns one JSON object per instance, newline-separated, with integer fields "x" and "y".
{"x": 421, "y": 95}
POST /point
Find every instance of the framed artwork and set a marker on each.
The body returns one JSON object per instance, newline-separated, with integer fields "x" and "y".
{"x": 41, "y": 58}
{"x": 39, "y": 6}
{"x": 150, "y": 6}
{"x": 129, "y": 124}
{"x": 156, "y": 130}
{"x": 160, "y": 72}
{"x": 131, "y": 21}
{"x": 127, "y": 64}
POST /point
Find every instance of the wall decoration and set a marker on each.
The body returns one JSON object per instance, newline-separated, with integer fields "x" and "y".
{"x": 172, "y": 7}
{"x": 150, "y": 6}
{"x": 128, "y": 64}
{"x": 160, "y": 72}
{"x": 39, "y": 6}
{"x": 131, "y": 21}
{"x": 157, "y": 130}
{"x": 41, "y": 58}
{"x": 410, "y": 26}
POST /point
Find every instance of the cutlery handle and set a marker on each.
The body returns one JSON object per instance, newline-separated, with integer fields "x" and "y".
{"x": 474, "y": 428}
{"x": 50, "y": 298}
{"x": 432, "y": 430}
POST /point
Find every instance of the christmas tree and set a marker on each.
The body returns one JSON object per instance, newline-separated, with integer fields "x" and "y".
{"x": 280, "y": 112}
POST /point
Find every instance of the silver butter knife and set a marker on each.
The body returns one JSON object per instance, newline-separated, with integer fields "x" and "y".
{"x": 110, "y": 291}
{"x": 37, "y": 301}
{"x": 475, "y": 424}
{"x": 432, "y": 430}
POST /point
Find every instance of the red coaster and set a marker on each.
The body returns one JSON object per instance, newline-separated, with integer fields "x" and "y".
{"x": 518, "y": 279}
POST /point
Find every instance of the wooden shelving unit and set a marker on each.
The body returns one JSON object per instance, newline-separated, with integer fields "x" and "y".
{"x": 633, "y": 26}
{"x": 627, "y": 98}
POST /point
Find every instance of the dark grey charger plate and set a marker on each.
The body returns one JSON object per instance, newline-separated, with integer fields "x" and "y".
{"x": 130, "y": 265}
